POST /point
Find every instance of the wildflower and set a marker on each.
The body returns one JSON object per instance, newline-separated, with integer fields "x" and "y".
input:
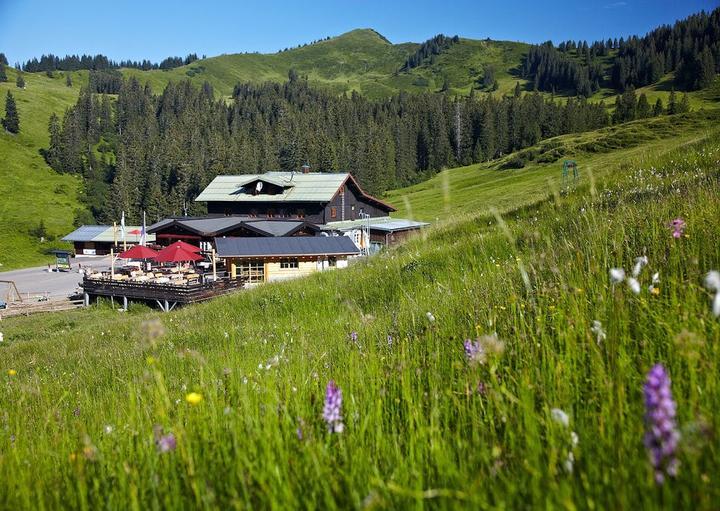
{"x": 430, "y": 317}
{"x": 661, "y": 436}
{"x": 1, "y": 337}
{"x": 474, "y": 351}
{"x": 478, "y": 351}
{"x": 389, "y": 341}
{"x": 354, "y": 337}
{"x": 560, "y": 417}
{"x": 193, "y": 398}
{"x": 677, "y": 226}
{"x": 712, "y": 282}
{"x": 299, "y": 430}
{"x": 108, "y": 429}
{"x": 617, "y": 275}
{"x": 597, "y": 329}
{"x": 12, "y": 372}
{"x": 90, "y": 452}
{"x": 634, "y": 285}
{"x": 166, "y": 443}
{"x": 332, "y": 411}
{"x": 653, "y": 286}
{"x": 640, "y": 262}
{"x": 569, "y": 462}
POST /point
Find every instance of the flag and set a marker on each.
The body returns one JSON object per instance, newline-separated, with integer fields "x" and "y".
{"x": 122, "y": 226}
{"x": 143, "y": 233}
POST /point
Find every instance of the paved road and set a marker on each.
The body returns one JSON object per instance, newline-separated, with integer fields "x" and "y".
{"x": 38, "y": 282}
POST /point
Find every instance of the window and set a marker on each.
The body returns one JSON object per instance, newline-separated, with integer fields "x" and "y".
{"x": 252, "y": 271}
{"x": 332, "y": 262}
{"x": 289, "y": 264}
{"x": 333, "y": 212}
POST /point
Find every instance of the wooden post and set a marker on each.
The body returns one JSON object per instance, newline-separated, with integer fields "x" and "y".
{"x": 112, "y": 264}
{"x": 233, "y": 270}
{"x": 125, "y": 304}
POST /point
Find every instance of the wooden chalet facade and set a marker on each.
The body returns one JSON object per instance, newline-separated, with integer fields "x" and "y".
{"x": 315, "y": 197}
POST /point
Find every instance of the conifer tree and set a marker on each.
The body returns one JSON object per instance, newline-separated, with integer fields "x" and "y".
{"x": 11, "y": 122}
{"x": 3, "y": 74}
{"x": 706, "y": 71}
{"x": 643, "y": 107}
{"x": 658, "y": 108}
{"x": 20, "y": 81}
{"x": 68, "y": 80}
{"x": 3, "y": 59}
{"x": 684, "y": 105}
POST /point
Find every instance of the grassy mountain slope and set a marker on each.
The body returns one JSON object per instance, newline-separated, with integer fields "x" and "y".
{"x": 30, "y": 190}
{"x": 360, "y": 60}
{"x": 93, "y": 391}
{"x": 599, "y": 154}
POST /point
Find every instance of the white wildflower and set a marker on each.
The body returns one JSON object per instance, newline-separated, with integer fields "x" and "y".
{"x": 712, "y": 281}
{"x": 574, "y": 439}
{"x": 617, "y": 275}
{"x": 108, "y": 429}
{"x": 634, "y": 285}
{"x": 430, "y": 317}
{"x": 597, "y": 329}
{"x": 569, "y": 462}
{"x": 639, "y": 263}
{"x": 560, "y": 417}
{"x": 2, "y": 338}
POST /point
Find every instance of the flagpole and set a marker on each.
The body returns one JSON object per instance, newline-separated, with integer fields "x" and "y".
{"x": 122, "y": 231}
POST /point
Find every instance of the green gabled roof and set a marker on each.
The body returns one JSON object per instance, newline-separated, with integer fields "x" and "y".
{"x": 298, "y": 187}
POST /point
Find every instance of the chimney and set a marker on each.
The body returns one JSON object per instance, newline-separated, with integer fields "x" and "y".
{"x": 306, "y": 168}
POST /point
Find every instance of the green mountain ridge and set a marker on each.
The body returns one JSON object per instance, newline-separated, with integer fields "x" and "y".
{"x": 361, "y": 60}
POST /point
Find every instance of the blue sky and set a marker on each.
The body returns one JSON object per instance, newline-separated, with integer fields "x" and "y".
{"x": 132, "y": 29}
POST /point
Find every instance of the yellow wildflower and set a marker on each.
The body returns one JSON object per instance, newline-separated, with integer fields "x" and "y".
{"x": 655, "y": 291}
{"x": 12, "y": 372}
{"x": 193, "y": 398}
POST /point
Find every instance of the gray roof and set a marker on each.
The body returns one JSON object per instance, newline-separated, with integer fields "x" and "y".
{"x": 105, "y": 234}
{"x": 385, "y": 223}
{"x": 285, "y": 247}
{"x": 278, "y": 227}
{"x": 298, "y": 187}
{"x": 214, "y": 226}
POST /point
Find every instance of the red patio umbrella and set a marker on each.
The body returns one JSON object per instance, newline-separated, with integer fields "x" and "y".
{"x": 185, "y": 246}
{"x": 138, "y": 252}
{"x": 176, "y": 254}
{"x": 135, "y": 232}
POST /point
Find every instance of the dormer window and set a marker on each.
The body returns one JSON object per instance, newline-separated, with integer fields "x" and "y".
{"x": 263, "y": 186}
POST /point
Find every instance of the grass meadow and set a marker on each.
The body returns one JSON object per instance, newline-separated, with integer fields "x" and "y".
{"x": 220, "y": 405}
